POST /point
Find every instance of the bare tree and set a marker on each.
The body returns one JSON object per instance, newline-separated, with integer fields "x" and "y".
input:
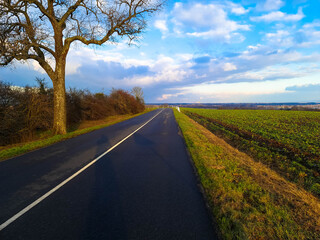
{"x": 138, "y": 93}
{"x": 43, "y": 30}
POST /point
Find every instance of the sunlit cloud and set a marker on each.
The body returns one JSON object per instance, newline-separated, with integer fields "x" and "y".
{"x": 279, "y": 16}
{"x": 208, "y": 21}
{"x": 236, "y": 8}
{"x": 242, "y": 91}
{"x": 270, "y": 5}
{"x": 229, "y": 67}
{"x": 161, "y": 24}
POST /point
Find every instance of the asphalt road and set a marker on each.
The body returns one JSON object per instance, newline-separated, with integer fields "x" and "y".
{"x": 145, "y": 188}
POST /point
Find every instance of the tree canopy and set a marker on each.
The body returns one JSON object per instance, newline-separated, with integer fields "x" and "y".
{"x": 43, "y": 30}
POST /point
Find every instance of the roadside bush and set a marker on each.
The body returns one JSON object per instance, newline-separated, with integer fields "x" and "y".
{"x": 11, "y": 114}
{"x": 74, "y": 102}
{"x": 26, "y": 112}
{"x": 124, "y": 103}
{"x": 37, "y": 112}
{"x": 94, "y": 106}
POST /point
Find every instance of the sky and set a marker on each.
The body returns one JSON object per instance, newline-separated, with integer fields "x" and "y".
{"x": 252, "y": 51}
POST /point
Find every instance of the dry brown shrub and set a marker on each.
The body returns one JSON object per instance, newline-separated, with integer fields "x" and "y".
{"x": 25, "y": 112}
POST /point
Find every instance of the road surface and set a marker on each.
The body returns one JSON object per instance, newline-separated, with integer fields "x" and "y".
{"x": 144, "y": 188}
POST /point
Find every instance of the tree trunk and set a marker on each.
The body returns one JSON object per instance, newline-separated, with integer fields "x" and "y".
{"x": 59, "y": 100}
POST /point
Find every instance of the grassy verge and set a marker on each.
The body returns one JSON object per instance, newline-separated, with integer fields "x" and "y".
{"x": 85, "y": 127}
{"x": 291, "y": 156}
{"x": 248, "y": 200}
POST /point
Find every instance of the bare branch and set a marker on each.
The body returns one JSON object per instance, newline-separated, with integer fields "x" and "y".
{"x": 30, "y": 29}
{"x": 42, "y": 9}
{"x": 127, "y": 18}
{"x": 70, "y": 11}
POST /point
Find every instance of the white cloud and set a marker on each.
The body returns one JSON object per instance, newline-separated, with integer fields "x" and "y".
{"x": 164, "y": 69}
{"x": 250, "y": 47}
{"x": 223, "y": 89}
{"x": 224, "y": 92}
{"x": 160, "y": 70}
{"x": 161, "y": 25}
{"x": 278, "y": 34}
{"x": 312, "y": 25}
{"x": 261, "y": 63}
{"x": 310, "y": 34}
{"x": 229, "y": 67}
{"x": 261, "y": 56}
{"x": 207, "y": 21}
{"x": 270, "y": 5}
{"x": 269, "y": 73}
{"x": 241, "y": 91}
{"x": 279, "y": 16}
{"x": 291, "y": 37}
{"x": 184, "y": 56}
{"x": 168, "y": 96}
{"x": 169, "y": 75}
{"x": 280, "y": 38}
{"x": 236, "y": 8}
{"x": 239, "y": 10}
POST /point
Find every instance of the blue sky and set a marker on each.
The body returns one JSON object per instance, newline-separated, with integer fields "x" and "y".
{"x": 206, "y": 51}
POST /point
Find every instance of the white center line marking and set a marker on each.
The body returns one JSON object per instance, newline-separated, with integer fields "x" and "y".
{"x": 26, "y": 209}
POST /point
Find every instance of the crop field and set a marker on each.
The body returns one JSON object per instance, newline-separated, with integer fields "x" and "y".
{"x": 286, "y": 141}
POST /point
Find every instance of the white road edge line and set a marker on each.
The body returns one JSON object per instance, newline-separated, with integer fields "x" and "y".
{"x": 26, "y": 209}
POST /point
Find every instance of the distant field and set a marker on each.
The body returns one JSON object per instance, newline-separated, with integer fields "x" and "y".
{"x": 287, "y": 141}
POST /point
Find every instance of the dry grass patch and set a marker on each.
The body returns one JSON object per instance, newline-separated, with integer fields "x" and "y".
{"x": 107, "y": 120}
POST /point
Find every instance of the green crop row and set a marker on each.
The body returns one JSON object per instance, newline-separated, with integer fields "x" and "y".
{"x": 288, "y": 142}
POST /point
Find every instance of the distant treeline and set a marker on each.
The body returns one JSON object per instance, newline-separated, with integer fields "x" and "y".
{"x": 27, "y": 111}
{"x": 247, "y": 106}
